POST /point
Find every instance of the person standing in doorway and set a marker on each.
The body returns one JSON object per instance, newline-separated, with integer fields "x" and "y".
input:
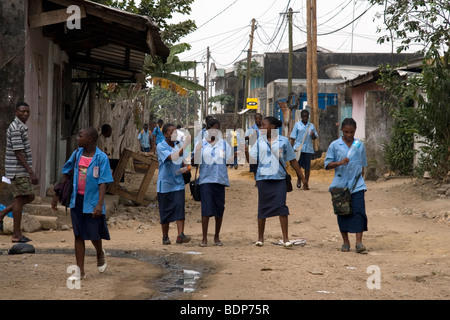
{"x": 302, "y": 137}
{"x": 18, "y": 168}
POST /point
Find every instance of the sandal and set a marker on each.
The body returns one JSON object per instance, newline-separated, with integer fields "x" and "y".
{"x": 345, "y": 247}
{"x": 360, "y": 248}
{"x": 259, "y": 243}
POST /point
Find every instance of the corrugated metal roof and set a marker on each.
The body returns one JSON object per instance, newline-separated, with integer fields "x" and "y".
{"x": 111, "y": 44}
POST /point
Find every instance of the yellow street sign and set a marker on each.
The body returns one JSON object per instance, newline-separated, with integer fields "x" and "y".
{"x": 252, "y": 103}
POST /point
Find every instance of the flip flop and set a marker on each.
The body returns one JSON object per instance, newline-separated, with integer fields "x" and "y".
{"x": 22, "y": 239}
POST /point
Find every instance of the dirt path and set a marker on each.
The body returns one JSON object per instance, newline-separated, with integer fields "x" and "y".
{"x": 408, "y": 247}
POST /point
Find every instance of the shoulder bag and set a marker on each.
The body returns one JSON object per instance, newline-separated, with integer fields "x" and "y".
{"x": 64, "y": 189}
{"x": 195, "y": 187}
{"x": 288, "y": 176}
{"x": 341, "y": 199}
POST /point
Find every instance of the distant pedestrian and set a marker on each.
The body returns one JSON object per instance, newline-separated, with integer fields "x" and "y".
{"x": 92, "y": 174}
{"x": 251, "y": 136}
{"x": 347, "y": 172}
{"x": 18, "y": 168}
{"x": 234, "y": 142}
{"x": 273, "y": 151}
{"x": 170, "y": 185}
{"x": 302, "y": 137}
{"x": 157, "y": 134}
{"x": 213, "y": 179}
{"x": 106, "y": 132}
{"x": 145, "y": 138}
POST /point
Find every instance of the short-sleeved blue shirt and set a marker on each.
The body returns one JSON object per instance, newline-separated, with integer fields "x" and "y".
{"x": 345, "y": 175}
{"x": 269, "y": 167}
{"x": 299, "y": 132}
{"x": 91, "y": 195}
{"x": 213, "y": 168}
{"x": 144, "y": 138}
{"x": 157, "y": 132}
{"x": 168, "y": 181}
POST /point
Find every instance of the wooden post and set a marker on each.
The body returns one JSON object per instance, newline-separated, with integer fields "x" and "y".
{"x": 311, "y": 66}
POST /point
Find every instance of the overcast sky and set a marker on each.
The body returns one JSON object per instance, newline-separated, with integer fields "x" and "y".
{"x": 225, "y": 27}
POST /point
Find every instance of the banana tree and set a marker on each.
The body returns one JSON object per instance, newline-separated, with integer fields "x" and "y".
{"x": 162, "y": 74}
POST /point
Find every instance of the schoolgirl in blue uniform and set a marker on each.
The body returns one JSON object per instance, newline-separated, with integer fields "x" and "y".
{"x": 273, "y": 151}
{"x": 347, "y": 171}
{"x": 213, "y": 178}
{"x": 92, "y": 173}
{"x": 170, "y": 185}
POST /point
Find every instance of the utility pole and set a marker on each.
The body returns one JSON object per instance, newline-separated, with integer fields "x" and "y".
{"x": 207, "y": 81}
{"x": 195, "y": 95}
{"x": 249, "y": 62}
{"x": 291, "y": 54}
{"x": 311, "y": 66}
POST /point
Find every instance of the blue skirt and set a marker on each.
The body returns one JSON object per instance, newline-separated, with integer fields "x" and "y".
{"x": 271, "y": 198}
{"x": 171, "y": 206}
{"x": 213, "y": 199}
{"x": 357, "y": 222}
{"x": 85, "y": 226}
{"x": 305, "y": 160}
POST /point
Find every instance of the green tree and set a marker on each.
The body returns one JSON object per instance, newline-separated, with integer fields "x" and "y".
{"x": 156, "y": 68}
{"x": 426, "y": 23}
{"x": 166, "y": 104}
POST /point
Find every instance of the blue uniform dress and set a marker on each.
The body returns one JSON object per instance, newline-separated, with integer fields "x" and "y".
{"x": 345, "y": 176}
{"x": 98, "y": 172}
{"x": 213, "y": 177}
{"x": 170, "y": 187}
{"x": 270, "y": 176}
{"x": 299, "y": 131}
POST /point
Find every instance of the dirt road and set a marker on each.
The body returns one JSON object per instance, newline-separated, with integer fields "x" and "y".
{"x": 408, "y": 246}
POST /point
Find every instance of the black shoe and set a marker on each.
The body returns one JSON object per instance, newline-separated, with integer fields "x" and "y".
{"x": 182, "y": 238}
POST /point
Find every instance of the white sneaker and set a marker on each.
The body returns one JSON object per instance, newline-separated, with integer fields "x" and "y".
{"x": 288, "y": 244}
{"x": 103, "y": 267}
{"x": 259, "y": 243}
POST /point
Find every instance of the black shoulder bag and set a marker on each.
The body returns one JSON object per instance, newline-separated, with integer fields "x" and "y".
{"x": 341, "y": 199}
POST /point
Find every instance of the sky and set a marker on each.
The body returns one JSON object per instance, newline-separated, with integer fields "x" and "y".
{"x": 224, "y": 26}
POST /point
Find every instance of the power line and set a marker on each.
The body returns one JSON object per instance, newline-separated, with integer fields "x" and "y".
{"x": 218, "y": 14}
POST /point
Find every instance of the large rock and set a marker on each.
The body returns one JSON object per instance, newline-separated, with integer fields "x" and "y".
{"x": 29, "y": 224}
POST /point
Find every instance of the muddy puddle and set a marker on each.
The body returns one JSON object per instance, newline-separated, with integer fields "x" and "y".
{"x": 180, "y": 277}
